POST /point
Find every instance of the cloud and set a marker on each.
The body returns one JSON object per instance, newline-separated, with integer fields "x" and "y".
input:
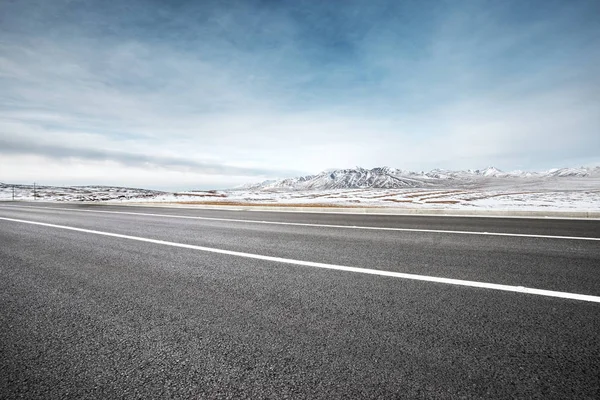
{"x": 58, "y": 152}
{"x": 67, "y": 172}
{"x": 259, "y": 90}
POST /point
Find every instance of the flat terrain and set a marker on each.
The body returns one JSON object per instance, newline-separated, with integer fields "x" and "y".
{"x": 142, "y": 302}
{"x": 580, "y": 195}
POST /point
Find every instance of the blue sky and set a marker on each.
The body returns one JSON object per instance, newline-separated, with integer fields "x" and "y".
{"x": 211, "y": 94}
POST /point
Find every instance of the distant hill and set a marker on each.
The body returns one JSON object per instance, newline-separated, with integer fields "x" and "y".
{"x": 392, "y": 178}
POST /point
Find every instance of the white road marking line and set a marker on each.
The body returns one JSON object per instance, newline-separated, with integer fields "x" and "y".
{"x": 374, "y": 228}
{"x": 449, "y": 281}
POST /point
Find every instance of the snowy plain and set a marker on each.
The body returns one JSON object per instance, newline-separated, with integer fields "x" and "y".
{"x": 490, "y": 189}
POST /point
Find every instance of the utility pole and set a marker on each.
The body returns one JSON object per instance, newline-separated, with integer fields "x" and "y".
{"x": 34, "y": 197}
{"x": 13, "y": 192}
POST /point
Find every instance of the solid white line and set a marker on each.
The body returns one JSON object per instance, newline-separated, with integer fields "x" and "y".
{"x": 374, "y": 228}
{"x": 459, "y": 282}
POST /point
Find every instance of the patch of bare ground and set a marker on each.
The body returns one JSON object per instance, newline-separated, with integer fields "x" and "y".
{"x": 417, "y": 194}
{"x": 311, "y": 196}
{"x": 424, "y": 193}
{"x": 438, "y": 195}
{"x": 379, "y": 196}
{"x": 398, "y": 200}
{"x": 346, "y": 191}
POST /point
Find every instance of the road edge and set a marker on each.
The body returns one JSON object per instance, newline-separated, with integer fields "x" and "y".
{"x": 498, "y": 213}
{"x": 434, "y": 212}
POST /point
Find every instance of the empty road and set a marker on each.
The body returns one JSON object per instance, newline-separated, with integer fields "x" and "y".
{"x": 143, "y": 302}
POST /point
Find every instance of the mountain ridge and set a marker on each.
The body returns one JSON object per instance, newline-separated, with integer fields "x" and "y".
{"x": 393, "y": 178}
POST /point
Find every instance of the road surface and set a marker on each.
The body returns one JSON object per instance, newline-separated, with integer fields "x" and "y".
{"x": 142, "y": 302}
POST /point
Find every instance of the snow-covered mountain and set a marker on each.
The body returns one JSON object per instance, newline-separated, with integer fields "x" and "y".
{"x": 392, "y": 178}
{"x": 573, "y": 172}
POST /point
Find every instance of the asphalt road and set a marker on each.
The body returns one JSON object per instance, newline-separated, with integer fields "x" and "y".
{"x": 85, "y": 315}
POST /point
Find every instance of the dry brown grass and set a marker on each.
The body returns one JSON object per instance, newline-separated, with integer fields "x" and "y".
{"x": 417, "y": 194}
{"x": 379, "y": 196}
{"x": 310, "y": 196}
{"x": 398, "y": 200}
{"x": 444, "y": 194}
{"x": 427, "y": 193}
